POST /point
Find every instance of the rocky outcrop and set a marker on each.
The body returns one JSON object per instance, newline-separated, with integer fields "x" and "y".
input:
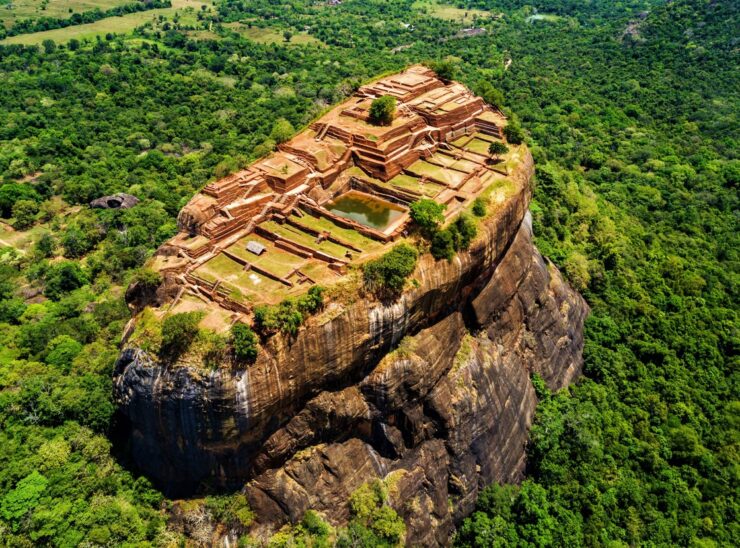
{"x": 441, "y": 416}
{"x": 431, "y": 392}
{"x": 116, "y": 201}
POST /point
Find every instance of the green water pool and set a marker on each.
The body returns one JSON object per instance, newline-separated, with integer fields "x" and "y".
{"x": 366, "y": 209}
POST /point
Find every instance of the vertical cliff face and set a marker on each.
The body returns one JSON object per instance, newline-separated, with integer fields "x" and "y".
{"x": 430, "y": 392}
{"x": 443, "y": 415}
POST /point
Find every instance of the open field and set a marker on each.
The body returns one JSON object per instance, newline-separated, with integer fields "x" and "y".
{"x": 12, "y": 11}
{"x": 114, "y": 25}
{"x": 271, "y": 36}
{"x": 448, "y": 12}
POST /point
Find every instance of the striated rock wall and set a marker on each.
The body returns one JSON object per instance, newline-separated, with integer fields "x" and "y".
{"x": 431, "y": 392}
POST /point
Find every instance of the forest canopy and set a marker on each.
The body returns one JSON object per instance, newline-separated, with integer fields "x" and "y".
{"x": 631, "y": 111}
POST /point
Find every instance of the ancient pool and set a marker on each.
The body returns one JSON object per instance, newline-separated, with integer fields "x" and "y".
{"x": 365, "y": 209}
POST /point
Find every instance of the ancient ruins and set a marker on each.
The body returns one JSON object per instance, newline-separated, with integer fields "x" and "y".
{"x": 335, "y": 194}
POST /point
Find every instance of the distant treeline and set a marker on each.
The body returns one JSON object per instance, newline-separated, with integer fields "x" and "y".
{"x": 27, "y": 26}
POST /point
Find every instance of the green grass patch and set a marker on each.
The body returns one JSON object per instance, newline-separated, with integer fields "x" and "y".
{"x": 110, "y": 25}
{"x": 479, "y": 146}
{"x": 422, "y": 168}
{"x": 17, "y": 10}
{"x": 348, "y": 235}
{"x": 306, "y": 239}
{"x": 445, "y": 11}
{"x": 272, "y": 35}
{"x": 406, "y": 182}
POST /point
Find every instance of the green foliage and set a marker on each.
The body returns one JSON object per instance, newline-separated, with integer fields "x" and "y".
{"x": 46, "y": 245}
{"x": 446, "y": 69}
{"x": 232, "y": 510}
{"x": 178, "y": 333}
{"x": 635, "y": 140}
{"x": 443, "y": 245}
{"x": 62, "y": 350}
{"x": 15, "y": 192}
{"x": 289, "y": 315}
{"x": 382, "y": 110}
{"x": 146, "y": 278}
{"x": 24, "y": 212}
{"x": 63, "y": 277}
{"x": 17, "y": 503}
{"x": 312, "y": 531}
{"x": 497, "y": 148}
{"x": 244, "y": 342}
{"x": 455, "y": 237}
{"x": 427, "y": 214}
{"x": 480, "y": 207}
{"x": 373, "y": 522}
{"x": 282, "y": 131}
{"x": 387, "y": 275}
{"x": 513, "y": 133}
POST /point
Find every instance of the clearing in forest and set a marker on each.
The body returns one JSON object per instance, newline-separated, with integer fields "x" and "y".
{"x": 110, "y": 25}
{"x": 271, "y": 35}
{"x": 448, "y": 12}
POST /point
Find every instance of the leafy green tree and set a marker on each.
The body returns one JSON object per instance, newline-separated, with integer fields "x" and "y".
{"x": 75, "y": 242}
{"x": 497, "y": 149}
{"x": 282, "y": 131}
{"x": 427, "y": 214}
{"x": 21, "y": 500}
{"x": 446, "y": 69}
{"x": 382, "y": 110}
{"x": 45, "y": 245}
{"x": 480, "y": 207}
{"x": 178, "y": 332}
{"x": 443, "y": 245}
{"x": 49, "y": 46}
{"x": 62, "y": 350}
{"x": 513, "y": 133}
{"x": 11, "y": 193}
{"x": 244, "y": 342}
{"x": 387, "y": 275}
{"x": 24, "y": 212}
{"x": 63, "y": 277}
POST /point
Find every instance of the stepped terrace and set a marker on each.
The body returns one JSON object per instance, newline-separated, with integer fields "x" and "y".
{"x": 335, "y": 195}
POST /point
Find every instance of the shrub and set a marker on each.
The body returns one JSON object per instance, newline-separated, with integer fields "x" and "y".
{"x": 45, "y": 245}
{"x": 312, "y": 301}
{"x": 371, "y": 512}
{"x": 18, "y": 502}
{"x": 178, "y": 332}
{"x": 24, "y": 213}
{"x": 11, "y": 193}
{"x": 290, "y": 314}
{"x": 466, "y": 231}
{"x": 446, "y": 69}
{"x": 428, "y": 214}
{"x": 514, "y": 133}
{"x": 63, "y": 349}
{"x": 230, "y": 509}
{"x": 480, "y": 207}
{"x": 389, "y": 272}
{"x": 382, "y": 110}
{"x": 443, "y": 246}
{"x": 62, "y": 278}
{"x": 146, "y": 278}
{"x": 282, "y": 131}
{"x": 244, "y": 342}
{"x": 456, "y": 237}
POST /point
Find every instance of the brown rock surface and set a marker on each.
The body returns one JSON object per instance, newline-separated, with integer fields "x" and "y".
{"x": 430, "y": 392}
